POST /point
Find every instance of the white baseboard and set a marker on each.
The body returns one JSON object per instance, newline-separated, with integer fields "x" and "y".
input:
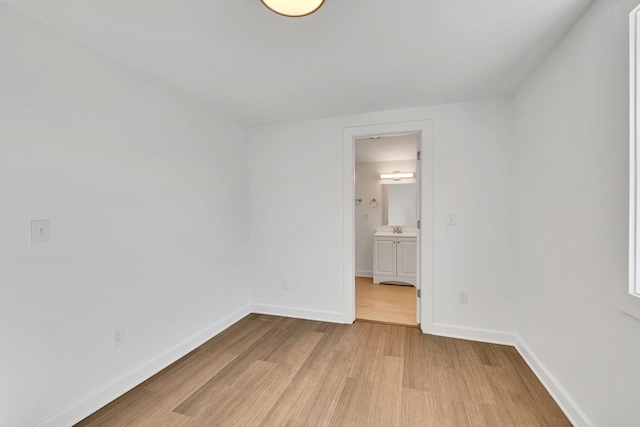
{"x": 570, "y": 408}
{"x": 364, "y": 273}
{"x": 299, "y": 313}
{"x": 96, "y": 400}
{"x": 100, "y": 397}
{"x": 472, "y": 334}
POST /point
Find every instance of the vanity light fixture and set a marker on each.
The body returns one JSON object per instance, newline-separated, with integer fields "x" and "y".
{"x": 396, "y": 175}
{"x": 293, "y": 8}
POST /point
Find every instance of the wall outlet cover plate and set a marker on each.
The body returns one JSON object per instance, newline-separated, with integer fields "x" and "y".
{"x": 40, "y": 231}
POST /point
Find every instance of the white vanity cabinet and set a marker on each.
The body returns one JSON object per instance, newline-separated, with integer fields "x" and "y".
{"x": 394, "y": 259}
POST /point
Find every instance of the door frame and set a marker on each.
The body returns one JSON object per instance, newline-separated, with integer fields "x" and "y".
{"x": 425, "y": 234}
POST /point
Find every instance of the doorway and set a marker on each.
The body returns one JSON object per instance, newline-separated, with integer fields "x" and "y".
{"x": 386, "y": 233}
{"x": 424, "y": 244}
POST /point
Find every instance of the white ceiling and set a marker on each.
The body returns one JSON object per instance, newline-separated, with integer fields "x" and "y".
{"x": 386, "y": 148}
{"x": 352, "y": 56}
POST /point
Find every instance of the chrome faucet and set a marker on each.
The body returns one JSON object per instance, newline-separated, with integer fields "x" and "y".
{"x": 397, "y": 229}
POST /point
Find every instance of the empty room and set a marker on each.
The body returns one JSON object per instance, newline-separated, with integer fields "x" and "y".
{"x": 197, "y": 228}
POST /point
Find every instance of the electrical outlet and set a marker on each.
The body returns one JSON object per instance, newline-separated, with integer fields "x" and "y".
{"x": 451, "y": 219}
{"x": 118, "y": 336}
{"x": 40, "y": 231}
{"x": 463, "y": 297}
{"x": 285, "y": 283}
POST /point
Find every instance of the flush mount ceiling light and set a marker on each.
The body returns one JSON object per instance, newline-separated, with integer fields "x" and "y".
{"x": 293, "y": 8}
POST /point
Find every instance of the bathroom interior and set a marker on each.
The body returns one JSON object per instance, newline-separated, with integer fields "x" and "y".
{"x": 386, "y": 233}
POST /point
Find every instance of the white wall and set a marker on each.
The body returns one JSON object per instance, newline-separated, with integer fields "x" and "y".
{"x": 148, "y": 200}
{"x": 147, "y": 197}
{"x": 367, "y": 187}
{"x": 570, "y": 217}
{"x": 296, "y": 201}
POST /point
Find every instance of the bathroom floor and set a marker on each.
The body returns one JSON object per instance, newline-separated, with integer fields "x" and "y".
{"x": 393, "y": 304}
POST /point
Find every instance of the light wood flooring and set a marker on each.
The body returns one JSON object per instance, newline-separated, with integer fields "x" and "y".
{"x": 395, "y": 304}
{"x": 275, "y": 371}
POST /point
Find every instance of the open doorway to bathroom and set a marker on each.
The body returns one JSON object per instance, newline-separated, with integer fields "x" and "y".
{"x": 387, "y": 200}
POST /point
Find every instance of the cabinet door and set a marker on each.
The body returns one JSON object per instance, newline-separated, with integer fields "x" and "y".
{"x": 407, "y": 257}
{"x": 384, "y": 256}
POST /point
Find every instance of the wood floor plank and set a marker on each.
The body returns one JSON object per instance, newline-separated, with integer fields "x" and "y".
{"x": 387, "y": 393}
{"x": 485, "y": 414}
{"x": 163, "y": 418}
{"x": 223, "y": 406}
{"x": 297, "y": 401}
{"x": 393, "y": 304}
{"x": 432, "y": 409}
{"x": 328, "y": 391}
{"x": 312, "y": 392}
{"x": 187, "y": 378}
{"x": 368, "y": 354}
{"x": 355, "y": 404}
{"x": 242, "y": 335}
{"x": 121, "y": 410}
{"x": 539, "y": 395}
{"x": 418, "y": 408}
{"x": 393, "y": 341}
{"x": 265, "y": 391}
{"x": 234, "y": 370}
{"x": 275, "y": 371}
{"x": 177, "y": 388}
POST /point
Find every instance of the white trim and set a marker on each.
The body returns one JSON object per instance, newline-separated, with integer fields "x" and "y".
{"x": 570, "y": 408}
{"x": 426, "y": 228}
{"x": 95, "y": 400}
{"x": 364, "y": 273}
{"x": 424, "y": 128}
{"x": 299, "y": 313}
{"x": 474, "y": 334}
{"x": 634, "y": 279}
{"x": 627, "y": 298}
{"x": 102, "y": 396}
{"x": 418, "y": 282}
{"x": 348, "y": 224}
{"x": 633, "y": 16}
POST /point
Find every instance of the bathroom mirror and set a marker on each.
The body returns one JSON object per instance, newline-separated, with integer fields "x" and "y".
{"x": 399, "y": 204}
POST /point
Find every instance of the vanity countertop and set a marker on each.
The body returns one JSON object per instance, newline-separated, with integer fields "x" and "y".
{"x": 390, "y": 234}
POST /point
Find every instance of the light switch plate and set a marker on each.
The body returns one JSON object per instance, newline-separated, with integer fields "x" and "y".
{"x": 40, "y": 231}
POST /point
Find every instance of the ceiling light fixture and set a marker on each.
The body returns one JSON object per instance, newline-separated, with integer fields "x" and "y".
{"x": 396, "y": 175}
{"x": 293, "y": 8}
